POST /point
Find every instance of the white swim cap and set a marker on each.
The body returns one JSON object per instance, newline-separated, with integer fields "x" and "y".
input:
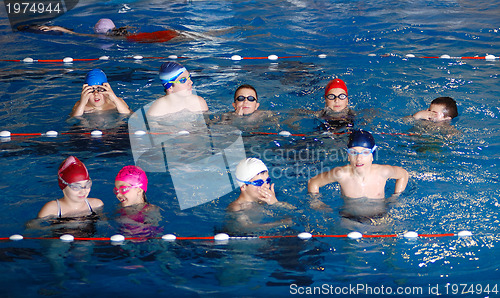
{"x": 103, "y": 26}
{"x": 249, "y": 168}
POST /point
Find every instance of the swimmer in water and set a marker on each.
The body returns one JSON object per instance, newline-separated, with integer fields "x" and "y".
{"x": 97, "y": 96}
{"x": 179, "y": 96}
{"x": 138, "y": 217}
{"x": 361, "y": 178}
{"x": 105, "y": 28}
{"x": 131, "y": 185}
{"x": 336, "y": 113}
{"x": 256, "y": 190}
{"x": 75, "y": 183}
{"x": 440, "y": 109}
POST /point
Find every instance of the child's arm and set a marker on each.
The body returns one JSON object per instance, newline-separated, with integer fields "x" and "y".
{"x": 79, "y": 107}
{"x": 401, "y": 176}
{"x": 321, "y": 180}
{"x": 120, "y": 104}
{"x": 50, "y": 208}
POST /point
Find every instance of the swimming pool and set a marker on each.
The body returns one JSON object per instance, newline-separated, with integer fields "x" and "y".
{"x": 453, "y": 185}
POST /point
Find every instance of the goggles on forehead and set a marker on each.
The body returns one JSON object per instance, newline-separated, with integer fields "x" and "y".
{"x": 76, "y": 186}
{"x": 257, "y": 183}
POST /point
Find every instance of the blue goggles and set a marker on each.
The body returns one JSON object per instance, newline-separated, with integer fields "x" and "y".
{"x": 364, "y": 152}
{"x": 257, "y": 183}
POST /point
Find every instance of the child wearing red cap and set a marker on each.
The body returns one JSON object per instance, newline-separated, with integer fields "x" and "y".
{"x": 336, "y": 113}
{"x": 75, "y": 183}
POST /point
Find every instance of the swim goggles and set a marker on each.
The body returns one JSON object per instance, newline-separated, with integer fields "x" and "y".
{"x": 181, "y": 80}
{"x": 76, "y": 186}
{"x": 242, "y": 98}
{"x": 98, "y": 89}
{"x": 340, "y": 96}
{"x": 364, "y": 152}
{"x": 257, "y": 183}
{"x": 124, "y": 189}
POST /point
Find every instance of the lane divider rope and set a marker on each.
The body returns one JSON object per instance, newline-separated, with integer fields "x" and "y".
{"x": 222, "y": 237}
{"x": 273, "y": 57}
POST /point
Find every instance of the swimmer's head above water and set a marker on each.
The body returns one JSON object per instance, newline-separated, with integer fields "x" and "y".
{"x": 70, "y": 171}
{"x": 336, "y": 95}
{"x": 361, "y": 138}
{"x": 134, "y": 176}
{"x": 169, "y": 72}
{"x": 247, "y": 169}
{"x": 103, "y": 26}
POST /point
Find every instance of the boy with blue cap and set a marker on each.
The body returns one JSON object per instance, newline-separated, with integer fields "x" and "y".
{"x": 361, "y": 178}
{"x": 178, "y": 92}
{"x": 98, "y": 96}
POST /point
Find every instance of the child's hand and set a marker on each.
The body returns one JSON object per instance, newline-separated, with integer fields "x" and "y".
{"x": 109, "y": 92}
{"x": 86, "y": 92}
{"x": 239, "y": 111}
{"x": 425, "y": 115}
{"x": 267, "y": 195}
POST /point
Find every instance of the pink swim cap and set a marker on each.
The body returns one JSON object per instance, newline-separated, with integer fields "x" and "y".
{"x": 103, "y": 26}
{"x": 71, "y": 170}
{"x": 134, "y": 176}
{"x": 337, "y": 83}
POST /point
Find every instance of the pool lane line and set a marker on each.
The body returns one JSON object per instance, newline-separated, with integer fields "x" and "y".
{"x": 7, "y": 135}
{"x": 488, "y": 57}
{"x": 225, "y": 237}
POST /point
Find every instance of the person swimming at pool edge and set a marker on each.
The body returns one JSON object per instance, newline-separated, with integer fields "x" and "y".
{"x": 252, "y": 176}
{"x": 138, "y": 217}
{"x": 75, "y": 183}
{"x": 179, "y": 96}
{"x": 105, "y": 28}
{"x": 440, "y": 109}
{"x": 361, "y": 178}
{"x": 97, "y": 95}
{"x": 336, "y": 112}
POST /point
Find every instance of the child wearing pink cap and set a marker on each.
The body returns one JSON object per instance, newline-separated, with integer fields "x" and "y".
{"x": 138, "y": 218}
{"x": 131, "y": 185}
{"x": 75, "y": 183}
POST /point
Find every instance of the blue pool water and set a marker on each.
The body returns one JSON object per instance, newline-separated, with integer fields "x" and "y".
{"x": 453, "y": 179}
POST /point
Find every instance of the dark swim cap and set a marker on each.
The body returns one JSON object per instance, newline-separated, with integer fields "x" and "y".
{"x": 170, "y": 71}
{"x": 361, "y": 138}
{"x": 95, "y": 77}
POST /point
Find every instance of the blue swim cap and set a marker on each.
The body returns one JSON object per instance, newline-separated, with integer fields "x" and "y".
{"x": 361, "y": 138}
{"x": 95, "y": 77}
{"x": 169, "y": 71}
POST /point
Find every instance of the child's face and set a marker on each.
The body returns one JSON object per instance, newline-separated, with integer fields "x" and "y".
{"x": 247, "y": 107}
{"x": 254, "y": 190}
{"x": 128, "y": 195}
{"x": 337, "y": 104}
{"x": 77, "y": 191}
{"x": 437, "y": 113}
{"x": 185, "y": 88}
{"x": 97, "y": 97}
{"x": 360, "y": 161}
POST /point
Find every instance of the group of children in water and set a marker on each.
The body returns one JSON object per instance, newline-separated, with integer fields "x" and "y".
{"x": 359, "y": 178}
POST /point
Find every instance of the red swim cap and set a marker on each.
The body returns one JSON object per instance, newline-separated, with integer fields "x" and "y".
{"x": 337, "y": 83}
{"x": 71, "y": 170}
